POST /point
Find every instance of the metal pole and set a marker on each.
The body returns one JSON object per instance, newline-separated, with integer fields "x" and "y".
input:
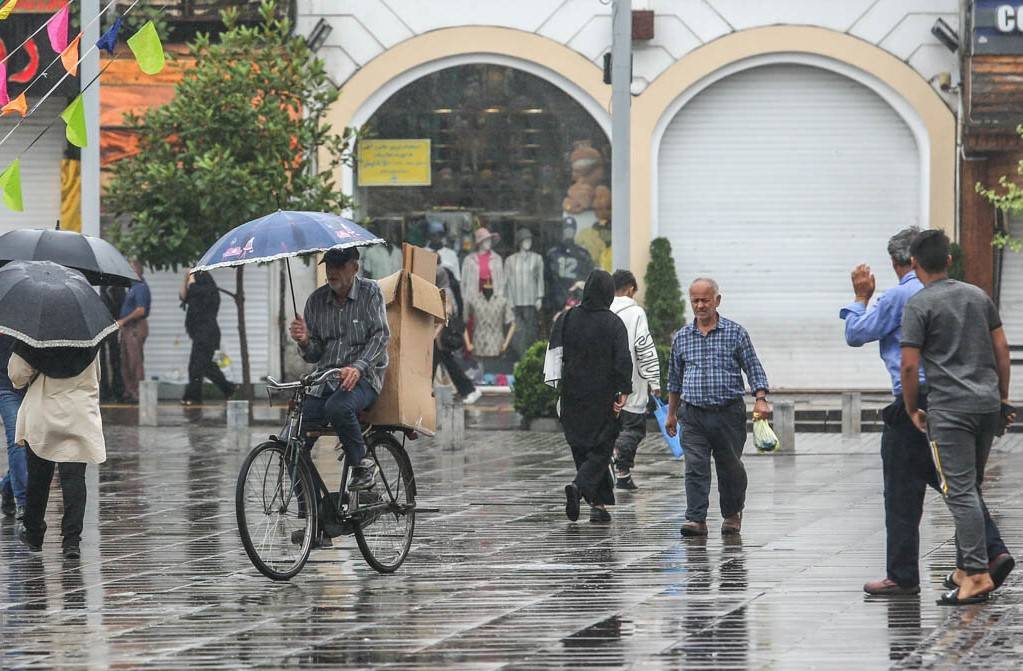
{"x": 88, "y": 69}
{"x": 621, "y": 103}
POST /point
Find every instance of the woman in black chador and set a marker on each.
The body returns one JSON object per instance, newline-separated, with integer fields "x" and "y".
{"x": 200, "y": 298}
{"x": 595, "y": 377}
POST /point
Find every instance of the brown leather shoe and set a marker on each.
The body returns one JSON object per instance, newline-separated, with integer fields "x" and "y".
{"x": 888, "y": 587}
{"x": 732, "y": 525}
{"x": 690, "y": 528}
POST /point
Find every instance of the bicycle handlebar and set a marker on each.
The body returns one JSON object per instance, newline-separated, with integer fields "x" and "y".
{"x": 310, "y": 380}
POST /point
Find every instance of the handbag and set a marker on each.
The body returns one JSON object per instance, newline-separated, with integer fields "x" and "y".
{"x": 451, "y": 336}
{"x": 674, "y": 442}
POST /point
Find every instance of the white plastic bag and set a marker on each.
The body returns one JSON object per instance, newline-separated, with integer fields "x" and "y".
{"x": 764, "y": 438}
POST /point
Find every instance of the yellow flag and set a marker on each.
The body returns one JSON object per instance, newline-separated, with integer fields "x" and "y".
{"x": 10, "y": 182}
{"x": 74, "y": 116}
{"x": 6, "y": 10}
{"x": 148, "y": 50}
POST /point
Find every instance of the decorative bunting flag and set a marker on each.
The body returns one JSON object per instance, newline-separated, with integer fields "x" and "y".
{"x": 148, "y": 50}
{"x": 56, "y": 28}
{"x": 4, "y": 98}
{"x": 6, "y": 10}
{"x": 74, "y": 116}
{"x": 10, "y": 183}
{"x": 109, "y": 39}
{"x": 18, "y": 105}
{"x": 69, "y": 57}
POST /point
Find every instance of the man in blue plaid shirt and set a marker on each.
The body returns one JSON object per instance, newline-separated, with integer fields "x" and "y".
{"x": 705, "y": 395}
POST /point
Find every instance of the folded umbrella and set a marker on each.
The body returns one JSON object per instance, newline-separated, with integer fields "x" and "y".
{"x": 44, "y": 304}
{"x": 96, "y": 258}
{"x": 282, "y": 235}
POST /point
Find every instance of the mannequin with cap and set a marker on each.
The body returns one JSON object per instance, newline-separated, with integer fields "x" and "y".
{"x": 483, "y": 266}
{"x": 566, "y": 264}
{"x": 524, "y": 287}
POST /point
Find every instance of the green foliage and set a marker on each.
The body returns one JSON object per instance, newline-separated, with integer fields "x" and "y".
{"x": 956, "y": 270}
{"x": 532, "y": 397}
{"x": 243, "y": 135}
{"x": 664, "y": 306}
{"x": 1009, "y": 199}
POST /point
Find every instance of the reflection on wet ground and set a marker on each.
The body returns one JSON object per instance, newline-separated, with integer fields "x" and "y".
{"x": 497, "y": 577}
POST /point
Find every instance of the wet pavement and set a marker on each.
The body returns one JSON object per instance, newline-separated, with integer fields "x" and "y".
{"x": 497, "y": 577}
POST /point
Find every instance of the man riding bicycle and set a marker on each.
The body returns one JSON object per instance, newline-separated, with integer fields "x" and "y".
{"x": 345, "y": 326}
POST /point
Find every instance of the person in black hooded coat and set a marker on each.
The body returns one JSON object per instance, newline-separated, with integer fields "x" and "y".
{"x": 596, "y": 375}
{"x": 200, "y": 298}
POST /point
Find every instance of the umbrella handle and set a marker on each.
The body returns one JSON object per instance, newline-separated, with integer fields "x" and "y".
{"x": 291, "y": 283}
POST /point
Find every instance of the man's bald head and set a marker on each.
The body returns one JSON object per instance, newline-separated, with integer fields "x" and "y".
{"x": 705, "y": 297}
{"x": 705, "y": 282}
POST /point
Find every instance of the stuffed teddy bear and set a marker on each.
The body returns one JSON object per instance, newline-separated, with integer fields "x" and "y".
{"x": 587, "y": 163}
{"x": 602, "y": 203}
{"x": 578, "y": 199}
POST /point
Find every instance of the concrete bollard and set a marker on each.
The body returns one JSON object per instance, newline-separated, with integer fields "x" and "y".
{"x": 237, "y": 415}
{"x": 451, "y": 418}
{"x": 149, "y": 402}
{"x": 851, "y": 414}
{"x": 785, "y": 425}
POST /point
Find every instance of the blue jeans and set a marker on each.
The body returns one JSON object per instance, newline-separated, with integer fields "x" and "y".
{"x": 17, "y": 469}
{"x": 341, "y": 410}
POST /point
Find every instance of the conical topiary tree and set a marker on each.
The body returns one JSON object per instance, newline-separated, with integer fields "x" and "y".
{"x": 664, "y": 306}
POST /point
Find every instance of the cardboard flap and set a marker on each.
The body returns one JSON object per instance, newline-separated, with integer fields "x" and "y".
{"x": 389, "y": 287}
{"x": 419, "y": 261}
{"x": 427, "y": 297}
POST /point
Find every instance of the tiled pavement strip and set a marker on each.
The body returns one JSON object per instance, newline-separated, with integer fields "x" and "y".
{"x": 497, "y": 577}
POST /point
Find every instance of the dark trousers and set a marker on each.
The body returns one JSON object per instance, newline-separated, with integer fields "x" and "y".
{"x": 462, "y": 383}
{"x": 718, "y": 433}
{"x": 200, "y": 365}
{"x": 72, "y": 485}
{"x": 341, "y": 410}
{"x": 908, "y": 470}
{"x": 633, "y": 431}
{"x": 111, "y": 386}
{"x": 593, "y": 472}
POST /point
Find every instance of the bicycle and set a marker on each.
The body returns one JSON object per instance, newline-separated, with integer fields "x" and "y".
{"x": 282, "y": 504}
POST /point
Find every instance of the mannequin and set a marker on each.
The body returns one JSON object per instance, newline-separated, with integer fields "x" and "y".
{"x": 379, "y": 261}
{"x": 490, "y": 314}
{"x": 524, "y": 288}
{"x": 482, "y": 266}
{"x": 566, "y": 264}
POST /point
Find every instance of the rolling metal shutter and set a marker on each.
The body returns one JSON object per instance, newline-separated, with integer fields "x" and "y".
{"x": 1011, "y": 307}
{"x": 776, "y": 182}
{"x": 168, "y": 346}
{"x": 40, "y": 166}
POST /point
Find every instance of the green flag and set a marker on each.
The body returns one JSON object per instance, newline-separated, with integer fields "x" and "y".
{"x": 145, "y": 44}
{"x": 74, "y": 116}
{"x": 10, "y": 183}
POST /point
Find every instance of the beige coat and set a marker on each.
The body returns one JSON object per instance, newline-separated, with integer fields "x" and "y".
{"x": 59, "y": 418}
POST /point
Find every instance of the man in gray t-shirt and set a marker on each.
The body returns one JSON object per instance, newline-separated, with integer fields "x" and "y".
{"x": 955, "y": 328}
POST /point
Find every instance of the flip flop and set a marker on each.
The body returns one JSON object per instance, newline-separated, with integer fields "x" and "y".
{"x": 949, "y": 581}
{"x": 951, "y": 598}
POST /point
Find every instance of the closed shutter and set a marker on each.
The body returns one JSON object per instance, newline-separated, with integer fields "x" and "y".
{"x": 776, "y": 182}
{"x": 40, "y": 165}
{"x": 168, "y": 346}
{"x": 1010, "y": 298}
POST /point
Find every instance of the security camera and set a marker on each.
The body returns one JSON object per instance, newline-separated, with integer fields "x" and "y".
{"x": 946, "y": 35}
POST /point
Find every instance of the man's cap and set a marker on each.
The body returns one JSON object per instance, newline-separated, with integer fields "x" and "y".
{"x": 338, "y": 257}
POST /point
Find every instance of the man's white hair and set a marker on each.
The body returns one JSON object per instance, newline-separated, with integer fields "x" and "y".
{"x": 706, "y": 280}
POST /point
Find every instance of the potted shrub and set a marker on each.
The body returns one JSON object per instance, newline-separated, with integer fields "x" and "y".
{"x": 534, "y": 400}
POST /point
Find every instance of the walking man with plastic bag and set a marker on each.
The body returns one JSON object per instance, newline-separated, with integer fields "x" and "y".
{"x": 956, "y": 331}
{"x": 705, "y": 395}
{"x": 906, "y": 463}
{"x": 646, "y": 375}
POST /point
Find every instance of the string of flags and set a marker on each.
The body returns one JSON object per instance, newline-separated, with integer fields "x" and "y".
{"x": 145, "y": 45}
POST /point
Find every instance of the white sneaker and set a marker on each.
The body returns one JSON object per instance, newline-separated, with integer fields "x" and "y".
{"x": 473, "y": 397}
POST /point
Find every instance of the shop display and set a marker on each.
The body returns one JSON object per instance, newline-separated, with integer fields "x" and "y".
{"x": 490, "y": 314}
{"x": 525, "y": 289}
{"x": 566, "y": 264}
{"x": 484, "y": 266}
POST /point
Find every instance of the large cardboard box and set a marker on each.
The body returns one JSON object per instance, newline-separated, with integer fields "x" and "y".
{"x": 414, "y": 306}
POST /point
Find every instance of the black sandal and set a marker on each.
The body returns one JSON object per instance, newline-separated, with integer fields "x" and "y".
{"x": 949, "y": 582}
{"x": 951, "y": 598}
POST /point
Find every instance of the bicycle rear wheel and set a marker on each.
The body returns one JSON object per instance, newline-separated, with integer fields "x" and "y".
{"x": 386, "y": 517}
{"x": 275, "y": 519}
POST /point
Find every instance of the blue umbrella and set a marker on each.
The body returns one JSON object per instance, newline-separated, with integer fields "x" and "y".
{"x": 282, "y": 235}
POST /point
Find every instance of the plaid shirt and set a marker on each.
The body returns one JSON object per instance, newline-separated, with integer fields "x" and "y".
{"x": 707, "y": 369}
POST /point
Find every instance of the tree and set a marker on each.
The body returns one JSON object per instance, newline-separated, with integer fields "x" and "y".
{"x": 1010, "y": 200}
{"x": 664, "y": 306}
{"x": 243, "y": 135}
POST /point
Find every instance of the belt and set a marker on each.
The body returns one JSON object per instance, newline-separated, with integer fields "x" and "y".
{"x": 714, "y": 408}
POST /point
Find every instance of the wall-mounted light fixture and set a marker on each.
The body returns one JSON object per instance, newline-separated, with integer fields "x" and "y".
{"x": 319, "y": 35}
{"x": 946, "y": 35}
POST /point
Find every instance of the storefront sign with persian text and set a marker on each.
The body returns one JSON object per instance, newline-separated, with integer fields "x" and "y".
{"x": 998, "y": 27}
{"x": 394, "y": 163}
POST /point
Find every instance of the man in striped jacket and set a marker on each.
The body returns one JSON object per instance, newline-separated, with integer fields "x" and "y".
{"x": 646, "y": 373}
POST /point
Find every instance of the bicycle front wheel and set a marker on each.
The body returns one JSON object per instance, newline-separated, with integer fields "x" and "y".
{"x": 386, "y": 517}
{"x": 272, "y": 504}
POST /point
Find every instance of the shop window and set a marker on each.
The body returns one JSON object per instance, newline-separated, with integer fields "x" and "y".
{"x": 509, "y": 154}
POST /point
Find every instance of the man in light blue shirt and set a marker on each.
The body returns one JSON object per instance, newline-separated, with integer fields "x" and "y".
{"x": 907, "y": 466}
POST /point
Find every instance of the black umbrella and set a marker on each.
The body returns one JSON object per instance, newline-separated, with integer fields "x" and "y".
{"x": 43, "y": 304}
{"x": 96, "y": 258}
